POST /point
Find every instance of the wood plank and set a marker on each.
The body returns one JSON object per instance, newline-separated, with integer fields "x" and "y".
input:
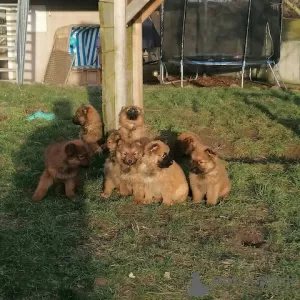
{"x": 106, "y": 8}
{"x": 137, "y": 64}
{"x": 149, "y": 9}
{"x": 120, "y": 57}
{"x": 133, "y": 8}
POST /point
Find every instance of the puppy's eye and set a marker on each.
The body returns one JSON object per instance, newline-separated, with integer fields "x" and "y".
{"x": 164, "y": 155}
{"x": 134, "y": 153}
{"x": 124, "y": 153}
{"x": 81, "y": 157}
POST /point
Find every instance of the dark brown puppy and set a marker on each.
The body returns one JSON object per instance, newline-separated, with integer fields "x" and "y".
{"x": 208, "y": 176}
{"x": 62, "y": 164}
{"x": 112, "y": 170}
{"x": 131, "y": 121}
{"x": 186, "y": 142}
{"x": 91, "y": 131}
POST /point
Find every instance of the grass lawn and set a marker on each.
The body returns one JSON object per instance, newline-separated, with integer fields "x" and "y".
{"x": 58, "y": 249}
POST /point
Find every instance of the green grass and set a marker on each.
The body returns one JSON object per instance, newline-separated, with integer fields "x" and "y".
{"x": 57, "y": 249}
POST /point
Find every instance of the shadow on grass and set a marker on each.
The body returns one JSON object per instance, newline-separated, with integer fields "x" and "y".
{"x": 45, "y": 252}
{"x": 292, "y": 124}
{"x": 264, "y": 161}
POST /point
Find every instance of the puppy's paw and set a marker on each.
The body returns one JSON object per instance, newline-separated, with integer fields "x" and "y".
{"x": 71, "y": 196}
{"x": 36, "y": 197}
{"x": 104, "y": 195}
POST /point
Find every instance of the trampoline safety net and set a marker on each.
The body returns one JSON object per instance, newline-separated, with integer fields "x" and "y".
{"x": 200, "y": 31}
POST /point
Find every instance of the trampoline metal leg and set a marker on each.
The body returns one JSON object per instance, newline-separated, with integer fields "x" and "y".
{"x": 243, "y": 74}
{"x": 161, "y": 73}
{"x": 181, "y": 73}
{"x": 274, "y": 75}
{"x": 196, "y": 75}
{"x": 280, "y": 78}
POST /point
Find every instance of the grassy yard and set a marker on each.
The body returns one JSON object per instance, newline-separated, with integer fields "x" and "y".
{"x": 58, "y": 249}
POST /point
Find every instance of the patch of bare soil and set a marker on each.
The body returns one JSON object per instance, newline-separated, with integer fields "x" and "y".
{"x": 293, "y": 151}
{"x": 3, "y": 117}
{"x": 210, "y": 81}
{"x": 223, "y": 147}
{"x": 250, "y": 237}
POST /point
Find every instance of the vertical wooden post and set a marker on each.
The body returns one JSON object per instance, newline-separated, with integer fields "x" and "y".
{"x": 120, "y": 56}
{"x": 106, "y": 14}
{"x": 137, "y": 63}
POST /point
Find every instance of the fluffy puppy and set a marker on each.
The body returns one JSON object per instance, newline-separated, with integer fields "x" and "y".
{"x": 112, "y": 171}
{"x": 131, "y": 122}
{"x": 62, "y": 164}
{"x": 208, "y": 176}
{"x": 163, "y": 178}
{"x": 128, "y": 156}
{"x": 91, "y": 127}
{"x": 186, "y": 142}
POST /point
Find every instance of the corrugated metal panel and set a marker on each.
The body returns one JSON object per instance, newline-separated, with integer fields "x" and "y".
{"x": 23, "y": 8}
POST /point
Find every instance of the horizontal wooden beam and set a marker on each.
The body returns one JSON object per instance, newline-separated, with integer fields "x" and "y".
{"x": 149, "y": 9}
{"x": 133, "y": 8}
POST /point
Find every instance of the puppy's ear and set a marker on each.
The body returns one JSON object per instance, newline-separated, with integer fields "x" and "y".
{"x": 153, "y": 147}
{"x": 140, "y": 110}
{"x": 86, "y": 110}
{"x": 210, "y": 152}
{"x": 189, "y": 140}
{"x": 117, "y": 136}
{"x": 120, "y": 142}
{"x": 71, "y": 149}
{"x": 143, "y": 142}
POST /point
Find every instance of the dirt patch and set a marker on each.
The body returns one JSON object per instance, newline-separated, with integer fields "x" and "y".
{"x": 207, "y": 81}
{"x": 250, "y": 237}
{"x": 100, "y": 282}
{"x": 292, "y": 151}
{"x": 127, "y": 210}
{"x": 223, "y": 147}
{"x": 3, "y": 117}
{"x": 210, "y": 81}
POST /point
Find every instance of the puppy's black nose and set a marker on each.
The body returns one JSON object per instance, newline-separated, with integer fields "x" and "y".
{"x": 129, "y": 162}
{"x": 75, "y": 121}
{"x": 132, "y": 114}
{"x": 195, "y": 170}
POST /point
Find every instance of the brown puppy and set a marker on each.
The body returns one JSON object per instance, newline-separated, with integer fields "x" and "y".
{"x": 163, "y": 177}
{"x": 112, "y": 171}
{"x": 187, "y": 142}
{"x": 129, "y": 155}
{"x": 62, "y": 164}
{"x": 91, "y": 127}
{"x": 131, "y": 121}
{"x": 208, "y": 176}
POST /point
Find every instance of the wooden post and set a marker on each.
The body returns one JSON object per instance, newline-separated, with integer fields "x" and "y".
{"x": 106, "y": 13}
{"x": 137, "y": 63}
{"x": 122, "y": 55}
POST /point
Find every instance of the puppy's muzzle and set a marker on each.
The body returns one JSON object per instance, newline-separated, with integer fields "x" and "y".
{"x": 195, "y": 169}
{"x": 85, "y": 163}
{"x": 166, "y": 162}
{"x": 129, "y": 162}
{"x": 104, "y": 147}
{"x": 132, "y": 114}
{"x": 75, "y": 121}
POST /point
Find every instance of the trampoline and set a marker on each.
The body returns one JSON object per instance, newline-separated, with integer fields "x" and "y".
{"x": 229, "y": 35}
